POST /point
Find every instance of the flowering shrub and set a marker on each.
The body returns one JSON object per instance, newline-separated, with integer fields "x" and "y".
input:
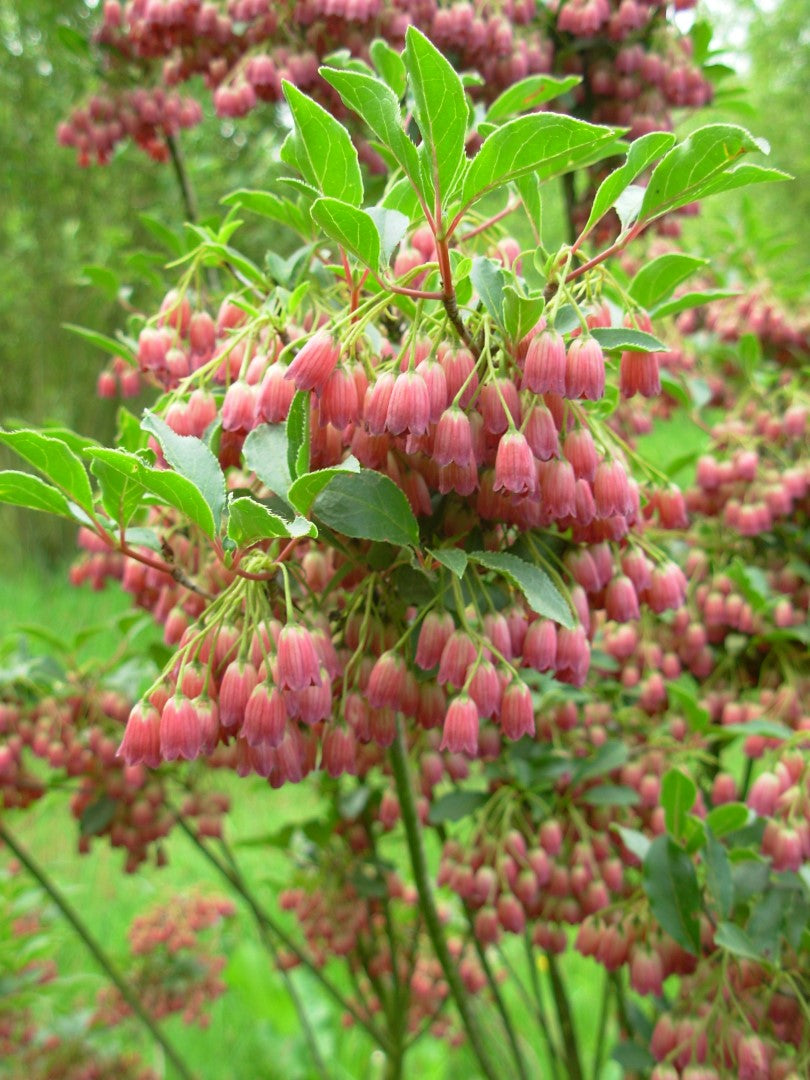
{"x": 393, "y": 512}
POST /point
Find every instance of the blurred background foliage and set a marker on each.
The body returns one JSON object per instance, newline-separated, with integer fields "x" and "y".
{"x": 57, "y": 219}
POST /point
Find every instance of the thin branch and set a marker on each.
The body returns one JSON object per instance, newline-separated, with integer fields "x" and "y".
{"x": 183, "y": 179}
{"x": 94, "y": 948}
{"x": 413, "y": 833}
{"x": 566, "y": 1020}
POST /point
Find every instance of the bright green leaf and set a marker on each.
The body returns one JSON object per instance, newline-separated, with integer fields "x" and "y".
{"x": 690, "y": 300}
{"x": 265, "y": 454}
{"x": 390, "y": 65}
{"x": 321, "y": 149}
{"x": 190, "y": 457}
{"x": 727, "y": 818}
{"x": 718, "y": 874}
{"x": 520, "y": 313}
{"x": 453, "y": 558}
{"x": 658, "y": 278}
{"x": 55, "y": 460}
{"x": 678, "y": 794}
{"x": 440, "y": 111}
{"x": 353, "y": 229}
{"x": 297, "y": 430}
{"x": 612, "y": 338}
{"x": 456, "y": 805}
{"x": 303, "y": 493}
{"x": 249, "y": 522}
{"x": 642, "y": 153}
{"x": 273, "y": 206}
{"x": 733, "y": 938}
{"x": 391, "y": 226}
{"x": 488, "y": 279}
{"x": 528, "y": 94}
{"x": 23, "y": 489}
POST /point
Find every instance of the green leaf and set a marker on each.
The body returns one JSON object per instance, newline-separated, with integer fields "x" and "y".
{"x": 103, "y": 279}
{"x": 440, "y": 111}
{"x": 636, "y": 842}
{"x": 609, "y": 757}
{"x": 766, "y": 920}
{"x": 543, "y": 143}
{"x": 633, "y": 1058}
{"x": 771, "y": 729}
{"x": 297, "y": 431}
{"x": 265, "y": 453}
{"x": 74, "y": 42}
{"x": 640, "y": 156}
{"x": 528, "y": 187}
{"x": 169, "y": 238}
{"x": 390, "y": 65}
{"x": 456, "y": 805}
{"x": 272, "y": 206}
{"x": 612, "y": 338}
{"x": 170, "y": 488}
{"x": 528, "y": 94}
{"x": 520, "y": 313}
{"x": 190, "y": 457}
{"x": 97, "y": 816}
{"x": 353, "y": 229}
{"x": 305, "y": 490}
{"x": 369, "y": 506}
{"x": 453, "y": 558}
{"x": 55, "y": 460}
{"x": 733, "y": 938}
{"x": 541, "y": 594}
{"x": 611, "y": 795}
{"x": 703, "y": 164}
{"x": 659, "y": 277}
{"x": 391, "y": 226}
{"x": 101, "y": 341}
{"x": 678, "y": 794}
{"x": 683, "y": 694}
{"x": 379, "y": 107}
{"x": 321, "y": 149}
{"x": 690, "y": 300}
{"x": 120, "y": 495}
{"x": 718, "y": 874}
{"x": 23, "y": 489}
{"x": 249, "y": 522}
{"x": 727, "y": 818}
{"x": 488, "y": 279}
{"x": 671, "y": 886}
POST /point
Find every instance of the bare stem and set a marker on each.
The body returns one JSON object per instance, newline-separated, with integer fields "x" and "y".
{"x": 413, "y": 833}
{"x": 566, "y": 1020}
{"x": 94, "y": 948}
{"x": 183, "y": 179}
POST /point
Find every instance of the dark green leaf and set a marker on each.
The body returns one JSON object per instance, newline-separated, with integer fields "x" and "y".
{"x": 456, "y": 805}
{"x": 97, "y": 816}
{"x": 718, "y": 875}
{"x": 611, "y": 795}
{"x": 671, "y": 886}
{"x": 659, "y": 277}
{"x": 543, "y": 143}
{"x": 541, "y": 594}
{"x": 609, "y": 757}
{"x": 640, "y": 156}
{"x": 633, "y": 1058}
{"x": 390, "y": 65}
{"x": 55, "y": 460}
{"x": 353, "y": 229}
{"x": 765, "y": 924}
{"x": 23, "y": 489}
{"x": 488, "y": 279}
{"x": 678, "y": 794}
{"x": 612, "y": 338}
{"x": 191, "y": 458}
{"x": 74, "y": 42}
{"x": 727, "y": 818}
{"x": 321, "y": 149}
{"x": 265, "y": 453}
{"x": 369, "y": 506}
{"x": 297, "y": 430}
{"x": 683, "y": 694}
{"x": 302, "y": 494}
{"x": 440, "y": 111}
{"x": 453, "y": 558}
{"x": 703, "y": 164}
{"x": 528, "y": 94}
{"x": 733, "y": 938}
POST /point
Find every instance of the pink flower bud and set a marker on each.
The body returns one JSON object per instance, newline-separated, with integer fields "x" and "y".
{"x": 180, "y": 730}
{"x": 338, "y": 752}
{"x": 141, "y": 741}
{"x": 544, "y": 369}
{"x": 339, "y": 405}
{"x": 638, "y": 374}
{"x": 541, "y": 433}
{"x": 457, "y": 655}
{"x": 409, "y": 407}
{"x": 611, "y": 490}
{"x": 298, "y": 664}
{"x": 485, "y": 689}
{"x": 265, "y": 717}
{"x": 559, "y": 489}
{"x": 517, "y": 711}
{"x": 460, "y": 732}
{"x": 459, "y": 367}
{"x": 621, "y": 600}
{"x": 433, "y": 636}
{"x": 514, "y": 465}
{"x": 386, "y": 682}
{"x": 315, "y": 362}
{"x": 436, "y": 381}
{"x": 377, "y": 400}
{"x": 453, "y": 440}
{"x": 585, "y": 369}
{"x": 491, "y": 405}
{"x": 235, "y": 689}
{"x": 573, "y": 656}
{"x": 540, "y": 645}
